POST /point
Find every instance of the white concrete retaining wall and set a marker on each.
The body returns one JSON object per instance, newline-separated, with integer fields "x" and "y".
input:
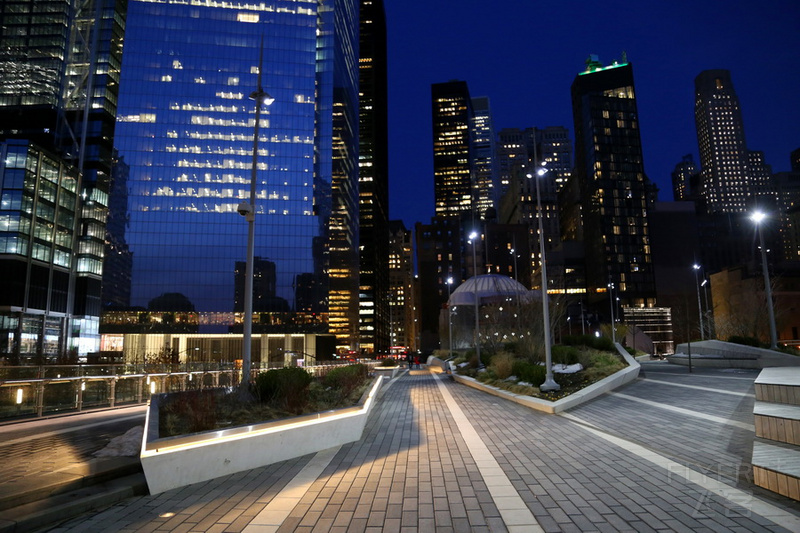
{"x": 178, "y": 461}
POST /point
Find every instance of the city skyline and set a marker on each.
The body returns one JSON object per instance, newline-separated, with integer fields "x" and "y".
{"x": 668, "y": 45}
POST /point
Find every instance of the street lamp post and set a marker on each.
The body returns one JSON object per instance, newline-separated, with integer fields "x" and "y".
{"x": 473, "y": 237}
{"x": 696, "y": 268}
{"x": 449, "y": 319}
{"x": 757, "y": 218}
{"x": 248, "y": 211}
{"x": 611, "y": 303}
{"x": 549, "y": 383}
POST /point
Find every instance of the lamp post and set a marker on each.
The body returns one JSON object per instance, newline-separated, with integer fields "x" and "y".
{"x": 757, "y": 218}
{"x": 449, "y": 319}
{"x": 696, "y": 268}
{"x": 248, "y": 211}
{"x": 472, "y": 238}
{"x": 549, "y": 383}
{"x": 611, "y": 303}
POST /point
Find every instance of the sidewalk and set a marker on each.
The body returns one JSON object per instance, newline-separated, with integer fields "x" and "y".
{"x": 670, "y": 452}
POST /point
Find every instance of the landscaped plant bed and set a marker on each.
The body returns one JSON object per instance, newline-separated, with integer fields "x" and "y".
{"x": 239, "y": 437}
{"x": 603, "y": 371}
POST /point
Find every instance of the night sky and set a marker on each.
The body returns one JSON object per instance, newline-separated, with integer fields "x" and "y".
{"x": 524, "y": 55}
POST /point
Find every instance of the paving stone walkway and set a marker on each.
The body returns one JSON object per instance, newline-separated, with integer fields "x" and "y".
{"x": 669, "y": 452}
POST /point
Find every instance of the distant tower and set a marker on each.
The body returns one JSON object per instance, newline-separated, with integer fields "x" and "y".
{"x": 682, "y": 177}
{"x": 453, "y": 115}
{"x": 373, "y": 180}
{"x": 484, "y": 157}
{"x": 726, "y": 184}
{"x": 613, "y": 189}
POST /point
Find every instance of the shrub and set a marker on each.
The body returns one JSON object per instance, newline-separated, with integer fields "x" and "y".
{"x": 389, "y": 361}
{"x": 747, "y": 341}
{"x": 603, "y": 343}
{"x": 530, "y": 372}
{"x": 565, "y": 355}
{"x": 283, "y": 387}
{"x": 502, "y": 365}
{"x": 345, "y": 379}
{"x": 188, "y": 412}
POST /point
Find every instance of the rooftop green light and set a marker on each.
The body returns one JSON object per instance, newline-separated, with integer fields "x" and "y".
{"x": 598, "y": 69}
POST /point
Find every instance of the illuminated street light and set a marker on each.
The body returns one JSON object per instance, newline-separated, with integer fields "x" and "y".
{"x": 248, "y": 211}
{"x": 549, "y": 383}
{"x": 473, "y": 237}
{"x": 758, "y": 217}
{"x": 449, "y": 318}
{"x": 696, "y": 268}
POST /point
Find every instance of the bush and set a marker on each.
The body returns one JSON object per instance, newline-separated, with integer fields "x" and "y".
{"x": 284, "y": 388}
{"x": 603, "y": 343}
{"x": 502, "y": 365}
{"x": 389, "y": 361}
{"x": 530, "y": 372}
{"x": 747, "y": 341}
{"x": 345, "y": 379}
{"x": 565, "y": 355}
{"x": 188, "y": 412}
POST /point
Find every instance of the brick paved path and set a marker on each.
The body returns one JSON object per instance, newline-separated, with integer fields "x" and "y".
{"x": 669, "y": 452}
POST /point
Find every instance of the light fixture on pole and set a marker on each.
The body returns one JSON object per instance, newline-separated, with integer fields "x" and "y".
{"x": 449, "y": 318}
{"x": 757, "y": 218}
{"x": 611, "y": 303}
{"x": 696, "y": 268}
{"x": 248, "y": 211}
{"x": 549, "y": 383}
{"x": 473, "y": 237}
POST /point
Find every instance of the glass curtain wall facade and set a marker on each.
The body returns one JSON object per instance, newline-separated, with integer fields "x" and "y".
{"x": 485, "y": 158}
{"x": 614, "y": 191}
{"x": 59, "y": 75}
{"x": 185, "y": 131}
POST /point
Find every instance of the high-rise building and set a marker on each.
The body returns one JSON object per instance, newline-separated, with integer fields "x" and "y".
{"x": 401, "y": 292}
{"x": 59, "y": 75}
{"x": 614, "y": 191}
{"x": 484, "y": 153}
{"x": 186, "y": 131}
{"x": 373, "y": 163}
{"x": 684, "y": 179}
{"x": 726, "y": 184}
{"x": 453, "y": 157}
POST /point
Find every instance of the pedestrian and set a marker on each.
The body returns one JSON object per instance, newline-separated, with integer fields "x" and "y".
{"x": 409, "y": 360}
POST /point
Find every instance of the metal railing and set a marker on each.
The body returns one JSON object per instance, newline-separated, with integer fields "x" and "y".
{"x": 36, "y": 391}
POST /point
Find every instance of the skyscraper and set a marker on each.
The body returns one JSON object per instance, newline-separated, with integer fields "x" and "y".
{"x": 186, "y": 128}
{"x": 59, "y": 75}
{"x": 613, "y": 189}
{"x": 373, "y": 163}
{"x": 454, "y": 191}
{"x": 484, "y": 152}
{"x": 684, "y": 179}
{"x": 725, "y": 183}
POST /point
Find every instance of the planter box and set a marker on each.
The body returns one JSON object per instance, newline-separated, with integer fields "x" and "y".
{"x": 617, "y": 379}
{"x": 174, "y": 462}
{"x": 389, "y": 372}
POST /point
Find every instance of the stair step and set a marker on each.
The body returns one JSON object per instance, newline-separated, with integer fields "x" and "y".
{"x": 776, "y": 467}
{"x": 777, "y": 421}
{"x": 59, "y": 508}
{"x": 779, "y": 385}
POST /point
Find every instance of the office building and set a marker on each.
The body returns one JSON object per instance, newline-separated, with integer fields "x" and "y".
{"x": 484, "y": 153}
{"x": 373, "y": 165}
{"x": 59, "y": 76}
{"x": 186, "y": 131}
{"x": 453, "y": 156}
{"x": 725, "y": 182}
{"x": 613, "y": 190}
{"x": 685, "y": 179}
{"x": 401, "y": 292}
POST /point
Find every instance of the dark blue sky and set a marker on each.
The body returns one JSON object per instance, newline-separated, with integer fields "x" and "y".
{"x": 524, "y": 55}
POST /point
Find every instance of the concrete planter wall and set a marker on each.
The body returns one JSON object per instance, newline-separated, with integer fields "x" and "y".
{"x": 617, "y": 379}
{"x": 178, "y": 461}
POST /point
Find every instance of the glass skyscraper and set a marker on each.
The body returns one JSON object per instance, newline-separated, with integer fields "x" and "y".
{"x": 185, "y": 131}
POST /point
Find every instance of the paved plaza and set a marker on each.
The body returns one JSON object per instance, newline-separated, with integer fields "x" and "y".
{"x": 670, "y": 452}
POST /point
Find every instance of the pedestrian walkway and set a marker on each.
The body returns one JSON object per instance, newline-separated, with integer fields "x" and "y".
{"x": 439, "y": 456}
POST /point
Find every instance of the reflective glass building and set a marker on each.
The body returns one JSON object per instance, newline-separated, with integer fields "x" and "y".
{"x": 185, "y": 132}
